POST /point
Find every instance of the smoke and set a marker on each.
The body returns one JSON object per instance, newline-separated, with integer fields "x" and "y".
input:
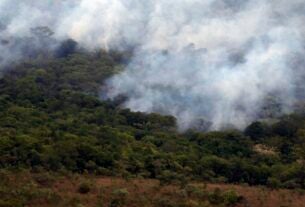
{"x": 215, "y": 60}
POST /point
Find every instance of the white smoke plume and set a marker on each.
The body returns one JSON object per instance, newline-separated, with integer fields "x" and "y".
{"x": 216, "y": 60}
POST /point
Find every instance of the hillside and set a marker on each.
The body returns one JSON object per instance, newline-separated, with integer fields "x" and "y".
{"x": 53, "y": 118}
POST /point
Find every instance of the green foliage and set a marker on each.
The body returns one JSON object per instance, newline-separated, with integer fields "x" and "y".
{"x": 231, "y": 198}
{"x": 216, "y": 197}
{"x": 53, "y": 118}
{"x": 257, "y": 130}
{"x": 119, "y": 197}
{"x": 44, "y": 179}
{"x": 273, "y": 183}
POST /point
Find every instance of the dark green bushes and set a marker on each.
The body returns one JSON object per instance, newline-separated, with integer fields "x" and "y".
{"x": 51, "y": 117}
{"x": 84, "y": 188}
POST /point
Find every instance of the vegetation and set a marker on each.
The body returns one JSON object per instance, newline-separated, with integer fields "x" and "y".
{"x": 23, "y": 188}
{"x": 52, "y": 117}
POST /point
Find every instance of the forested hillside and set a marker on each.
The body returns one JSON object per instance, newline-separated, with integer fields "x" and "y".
{"x": 53, "y": 117}
{"x": 152, "y": 103}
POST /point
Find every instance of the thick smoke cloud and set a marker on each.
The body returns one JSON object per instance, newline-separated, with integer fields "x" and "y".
{"x": 217, "y": 60}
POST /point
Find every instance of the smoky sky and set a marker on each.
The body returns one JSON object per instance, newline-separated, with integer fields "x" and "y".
{"x": 216, "y": 60}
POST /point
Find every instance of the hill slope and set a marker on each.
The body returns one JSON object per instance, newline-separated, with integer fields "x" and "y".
{"x": 52, "y": 118}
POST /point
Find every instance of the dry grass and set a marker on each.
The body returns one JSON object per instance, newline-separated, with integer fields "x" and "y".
{"x": 139, "y": 192}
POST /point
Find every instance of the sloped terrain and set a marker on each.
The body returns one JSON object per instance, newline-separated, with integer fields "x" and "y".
{"x": 54, "y": 117}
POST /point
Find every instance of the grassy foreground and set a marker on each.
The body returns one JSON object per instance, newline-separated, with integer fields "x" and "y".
{"x": 24, "y": 188}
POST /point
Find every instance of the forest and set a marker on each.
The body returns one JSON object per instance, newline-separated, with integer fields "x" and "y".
{"x": 53, "y": 118}
{"x": 155, "y": 103}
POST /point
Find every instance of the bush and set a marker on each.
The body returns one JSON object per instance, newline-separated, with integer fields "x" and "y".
{"x": 45, "y": 179}
{"x": 194, "y": 191}
{"x": 121, "y": 193}
{"x": 231, "y": 197}
{"x": 273, "y": 183}
{"x": 84, "y": 188}
{"x": 119, "y": 197}
{"x": 291, "y": 184}
{"x": 256, "y": 130}
{"x": 165, "y": 202}
{"x": 167, "y": 177}
{"x": 216, "y": 197}
{"x": 11, "y": 203}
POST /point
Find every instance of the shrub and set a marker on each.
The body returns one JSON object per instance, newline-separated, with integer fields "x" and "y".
{"x": 216, "y": 197}
{"x": 165, "y": 202}
{"x": 291, "y": 184}
{"x": 194, "y": 191}
{"x": 167, "y": 177}
{"x": 121, "y": 193}
{"x": 256, "y": 130}
{"x": 273, "y": 183}
{"x": 231, "y": 197}
{"x": 11, "y": 203}
{"x": 84, "y": 188}
{"x": 119, "y": 197}
{"x": 45, "y": 179}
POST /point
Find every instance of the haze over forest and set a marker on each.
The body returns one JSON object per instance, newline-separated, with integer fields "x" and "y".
{"x": 213, "y": 63}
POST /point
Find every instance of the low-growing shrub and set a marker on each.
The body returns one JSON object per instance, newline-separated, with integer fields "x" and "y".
{"x": 194, "y": 191}
{"x": 216, "y": 197}
{"x": 119, "y": 197}
{"x": 84, "y": 188}
{"x": 231, "y": 197}
{"x": 273, "y": 183}
{"x": 45, "y": 179}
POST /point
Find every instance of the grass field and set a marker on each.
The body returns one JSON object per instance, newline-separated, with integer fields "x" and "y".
{"x": 63, "y": 190}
